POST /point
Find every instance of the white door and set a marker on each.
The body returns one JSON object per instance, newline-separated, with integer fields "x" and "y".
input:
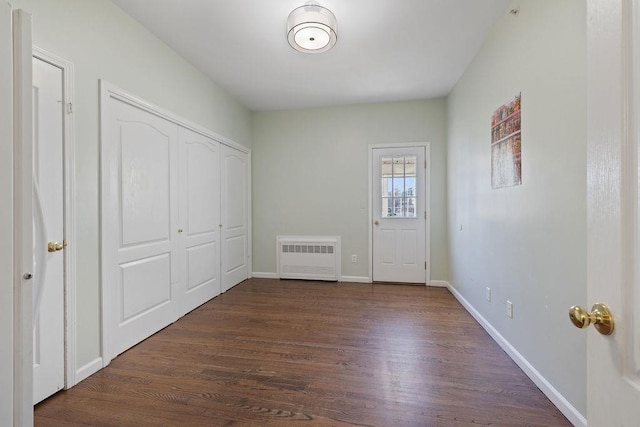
{"x": 7, "y": 277}
{"x": 199, "y": 228}
{"x": 17, "y": 209}
{"x": 234, "y": 200}
{"x": 140, "y": 229}
{"x": 613, "y": 362}
{"x": 48, "y": 331}
{"x": 399, "y": 194}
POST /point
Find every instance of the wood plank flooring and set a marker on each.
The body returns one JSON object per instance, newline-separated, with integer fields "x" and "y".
{"x": 280, "y": 353}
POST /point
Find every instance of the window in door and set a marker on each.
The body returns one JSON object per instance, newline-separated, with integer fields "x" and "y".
{"x": 398, "y": 186}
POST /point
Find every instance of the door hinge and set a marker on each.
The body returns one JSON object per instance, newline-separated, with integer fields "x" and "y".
{"x": 425, "y": 214}
{"x": 425, "y": 164}
{"x": 69, "y": 108}
{"x": 425, "y": 265}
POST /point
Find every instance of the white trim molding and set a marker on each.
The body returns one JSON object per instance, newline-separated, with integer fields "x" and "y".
{"x": 89, "y": 369}
{"x": 568, "y": 410}
{"x": 438, "y": 284}
{"x": 354, "y": 279}
{"x": 261, "y": 275}
{"x": 343, "y": 279}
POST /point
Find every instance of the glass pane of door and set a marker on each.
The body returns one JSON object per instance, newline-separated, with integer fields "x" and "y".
{"x": 398, "y": 186}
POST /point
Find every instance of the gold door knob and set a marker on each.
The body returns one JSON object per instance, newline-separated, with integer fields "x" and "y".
{"x": 376, "y": 222}
{"x": 55, "y": 246}
{"x": 600, "y": 317}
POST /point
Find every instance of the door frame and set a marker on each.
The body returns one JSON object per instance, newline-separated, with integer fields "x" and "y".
{"x": 427, "y": 200}
{"x": 69, "y": 196}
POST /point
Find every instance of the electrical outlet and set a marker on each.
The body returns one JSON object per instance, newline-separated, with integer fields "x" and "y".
{"x": 488, "y": 294}
{"x": 354, "y": 258}
{"x": 510, "y": 309}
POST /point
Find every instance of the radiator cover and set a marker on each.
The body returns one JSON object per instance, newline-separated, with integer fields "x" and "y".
{"x": 308, "y": 257}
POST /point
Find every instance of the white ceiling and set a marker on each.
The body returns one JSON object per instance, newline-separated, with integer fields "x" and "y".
{"x": 387, "y": 50}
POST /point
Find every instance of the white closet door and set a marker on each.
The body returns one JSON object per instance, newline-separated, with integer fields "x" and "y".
{"x": 235, "y": 187}
{"x": 140, "y": 212}
{"x": 175, "y": 219}
{"x": 199, "y": 228}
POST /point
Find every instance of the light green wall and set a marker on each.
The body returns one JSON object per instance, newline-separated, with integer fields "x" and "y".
{"x": 310, "y": 175}
{"x": 528, "y": 243}
{"x": 104, "y": 43}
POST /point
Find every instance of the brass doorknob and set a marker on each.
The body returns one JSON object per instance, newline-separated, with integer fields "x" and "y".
{"x": 600, "y": 317}
{"x": 56, "y": 246}
{"x": 376, "y": 222}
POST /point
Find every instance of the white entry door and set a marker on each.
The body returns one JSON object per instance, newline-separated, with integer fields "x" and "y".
{"x": 48, "y": 333}
{"x": 613, "y": 65}
{"x": 235, "y": 221}
{"x": 140, "y": 224}
{"x": 399, "y": 206}
{"x": 199, "y": 218}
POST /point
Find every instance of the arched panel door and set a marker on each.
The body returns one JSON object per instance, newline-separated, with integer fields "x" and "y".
{"x": 199, "y": 230}
{"x": 234, "y": 218}
{"x": 140, "y": 203}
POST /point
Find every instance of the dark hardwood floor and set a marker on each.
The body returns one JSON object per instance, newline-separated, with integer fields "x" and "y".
{"x": 277, "y": 353}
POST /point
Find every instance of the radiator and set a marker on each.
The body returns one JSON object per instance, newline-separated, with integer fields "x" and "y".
{"x": 308, "y": 257}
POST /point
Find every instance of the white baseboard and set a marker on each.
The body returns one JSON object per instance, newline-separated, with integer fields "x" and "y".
{"x": 438, "y": 284}
{"x": 259, "y": 275}
{"x": 354, "y": 279}
{"x": 363, "y": 279}
{"x": 348, "y": 279}
{"x": 89, "y": 369}
{"x": 575, "y": 417}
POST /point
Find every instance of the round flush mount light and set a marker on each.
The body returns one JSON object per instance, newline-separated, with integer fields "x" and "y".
{"x": 312, "y": 28}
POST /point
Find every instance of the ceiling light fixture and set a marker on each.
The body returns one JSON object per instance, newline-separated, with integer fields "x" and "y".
{"x": 312, "y": 28}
